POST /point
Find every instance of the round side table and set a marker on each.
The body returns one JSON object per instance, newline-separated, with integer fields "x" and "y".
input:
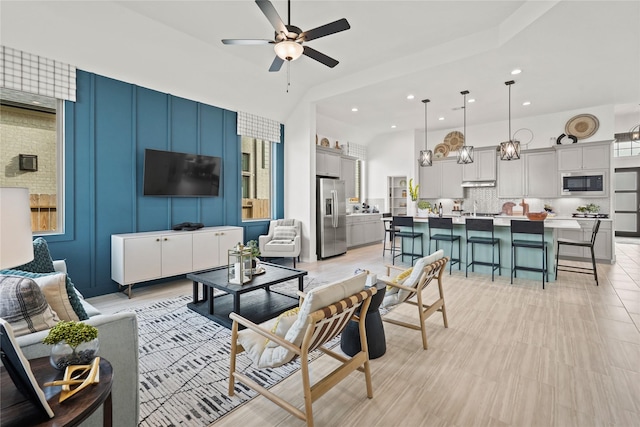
{"x": 350, "y": 339}
{"x": 19, "y": 411}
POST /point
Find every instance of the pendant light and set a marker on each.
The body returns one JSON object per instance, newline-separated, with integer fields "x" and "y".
{"x": 465, "y": 155}
{"x": 510, "y": 150}
{"x": 426, "y": 155}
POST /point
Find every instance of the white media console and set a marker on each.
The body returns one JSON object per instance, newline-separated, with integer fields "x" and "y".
{"x": 140, "y": 257}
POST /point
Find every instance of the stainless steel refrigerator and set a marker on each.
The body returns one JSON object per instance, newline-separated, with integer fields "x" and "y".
{"x": 331, "y": 218}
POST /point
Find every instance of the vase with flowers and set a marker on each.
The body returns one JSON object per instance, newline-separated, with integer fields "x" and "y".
{"x": 413, "y": 194}
{"x": 255, "y": 253}
{"x": 74, "y": 343}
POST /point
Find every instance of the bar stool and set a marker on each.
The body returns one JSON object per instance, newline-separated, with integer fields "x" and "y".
{"x": 531, "y": 228}
{"x": 405, "y": 221}
{"x": 444, "y": 224}
{"x": 389, "y": 230}
{"x": 587, "y": 244}
{"x": 484, "y": 226}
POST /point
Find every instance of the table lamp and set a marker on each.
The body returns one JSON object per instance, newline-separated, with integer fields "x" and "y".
{"x": 16, "y": 246}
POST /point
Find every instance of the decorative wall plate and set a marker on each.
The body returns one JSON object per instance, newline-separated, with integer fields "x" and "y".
{"x": 582, "y": 126}
{"x": 440, "y": 151}
{"x": 454, "y": 140}
{"x": 325, "y": 142}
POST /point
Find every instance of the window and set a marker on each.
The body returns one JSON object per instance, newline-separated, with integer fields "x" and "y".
{"x": 358, "y": 179}
{"x": 31, "y": 128}
{"x": 626, "y": 148}
{"x": 256, "y": 178}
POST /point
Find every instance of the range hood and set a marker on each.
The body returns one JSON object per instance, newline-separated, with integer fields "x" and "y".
{"x": 469, "y": 184}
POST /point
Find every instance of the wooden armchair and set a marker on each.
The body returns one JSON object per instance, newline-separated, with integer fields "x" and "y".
{"x": 403, "y": 291}
{"x": 317, "y": 323}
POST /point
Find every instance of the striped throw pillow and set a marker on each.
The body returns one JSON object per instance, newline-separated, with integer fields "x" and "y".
{"x": 23, "y": 305}
{"x": 284, "y": 232}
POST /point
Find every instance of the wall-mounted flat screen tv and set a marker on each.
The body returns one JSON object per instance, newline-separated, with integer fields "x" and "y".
{"x": 169, "y": 173}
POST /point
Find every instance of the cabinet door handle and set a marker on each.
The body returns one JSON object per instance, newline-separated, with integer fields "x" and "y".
{"x": 157, "y": 240}
{"x": 222, "y": 234}
{"x": 165, "y": 239}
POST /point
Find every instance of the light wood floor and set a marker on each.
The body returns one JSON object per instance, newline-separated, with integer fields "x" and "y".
{"x": 513, "y": 355}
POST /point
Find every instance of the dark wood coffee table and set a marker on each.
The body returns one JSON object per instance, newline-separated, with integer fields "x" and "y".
{"x": 258, "y": 304}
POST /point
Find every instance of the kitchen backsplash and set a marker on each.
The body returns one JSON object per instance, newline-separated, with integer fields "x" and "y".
{"x": 487, "y": 201}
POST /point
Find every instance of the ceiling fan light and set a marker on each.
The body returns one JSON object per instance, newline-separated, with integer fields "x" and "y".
{"x": 426, "y": 158}
{"x": 288, "y": 50}
{"x": 465, "y": 155}
{"x": 510, "y": 150}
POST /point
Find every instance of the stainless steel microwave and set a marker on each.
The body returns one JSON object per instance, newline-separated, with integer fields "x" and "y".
{"x": 583, "y": 183}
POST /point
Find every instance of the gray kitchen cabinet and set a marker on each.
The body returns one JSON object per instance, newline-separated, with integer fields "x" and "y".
{"x": 328, "y": 162}
{"x": 589, "y": 155}
{"x": 534, "y": 175}
{"x": 483, "y": 167}
{"x": 348, "y": 175}
{"x": 364, "y": 229}
{"x": 511, "y": 178}
{"x": 442, "y": 180}
{"x": 540, "y": 174}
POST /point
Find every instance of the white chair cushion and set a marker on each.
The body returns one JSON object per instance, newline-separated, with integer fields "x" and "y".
{"x": 280, "y": 246}
{"x": 284, "y": 232}
{"x": 394, "y": 298}
{"x": 264, "y": 353}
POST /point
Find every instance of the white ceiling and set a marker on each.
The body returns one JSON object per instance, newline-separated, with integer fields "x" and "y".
{"x": 574, "y": 54}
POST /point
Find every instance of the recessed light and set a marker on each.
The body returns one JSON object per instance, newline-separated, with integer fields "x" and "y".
{"x": 440, "y": 118}
{"x": 354, "y": 109}
{"x": 471, "y": 100}
{"x": 525, "y": 103}
{"x": 516, "y": 71}
{"x": 393, "y": 126}
{"x": 410, "y": 96}
{"x": 35, "y": 102}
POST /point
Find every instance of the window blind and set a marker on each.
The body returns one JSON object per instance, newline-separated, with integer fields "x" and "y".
{"x": 257, "y": 127}
{"x": 34, "y": 74}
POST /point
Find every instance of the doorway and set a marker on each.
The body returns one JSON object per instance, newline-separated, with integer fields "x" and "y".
{"x": 627, "y": 202}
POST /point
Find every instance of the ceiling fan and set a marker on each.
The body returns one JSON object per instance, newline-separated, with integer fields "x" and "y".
{"x": 288, "y": 38}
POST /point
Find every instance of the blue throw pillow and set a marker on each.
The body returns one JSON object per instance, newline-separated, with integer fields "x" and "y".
{"x": 74, "y": 300}
{"x": 42, "y": 262}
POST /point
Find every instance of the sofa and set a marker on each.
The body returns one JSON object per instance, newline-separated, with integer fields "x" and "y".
{"x": 118, "y": 335}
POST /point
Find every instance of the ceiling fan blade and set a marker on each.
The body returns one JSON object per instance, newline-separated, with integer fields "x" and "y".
{"x": 246, "y": 41}
{"x": 325, "y": 30}
{"x": 272, "y": 15}
{"x": 276, "y": 64}
{"x": 320, "y": 57}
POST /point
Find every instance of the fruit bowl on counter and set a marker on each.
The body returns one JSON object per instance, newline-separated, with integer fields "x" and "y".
{"x": 537, "y": 216}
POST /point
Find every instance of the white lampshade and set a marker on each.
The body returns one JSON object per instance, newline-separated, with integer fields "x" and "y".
{"x": 16, "y": 247}
{"x": 288, "y": 50}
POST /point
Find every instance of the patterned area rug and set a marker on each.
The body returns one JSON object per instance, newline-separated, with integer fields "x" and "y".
{"x": 184, "y": 365}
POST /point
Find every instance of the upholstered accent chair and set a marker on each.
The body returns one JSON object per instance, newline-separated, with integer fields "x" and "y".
{"x": 323, "y": 314}
{"x": 410, "y": 283}
{"x": 282, "y": 241}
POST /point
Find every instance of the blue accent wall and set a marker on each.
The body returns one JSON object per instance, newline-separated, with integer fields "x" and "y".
{"x": 106, "y": 132}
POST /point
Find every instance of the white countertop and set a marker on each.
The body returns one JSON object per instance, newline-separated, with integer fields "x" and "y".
{"x": 505, "y": 221}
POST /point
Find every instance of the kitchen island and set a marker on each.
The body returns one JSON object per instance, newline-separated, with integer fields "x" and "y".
{"x": 502, "y": 231}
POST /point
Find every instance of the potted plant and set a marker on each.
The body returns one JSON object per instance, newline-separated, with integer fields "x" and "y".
{"x": 255, "y": 252}
{"x": 74, "y": 343}
{"x": 423, "y": 208}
